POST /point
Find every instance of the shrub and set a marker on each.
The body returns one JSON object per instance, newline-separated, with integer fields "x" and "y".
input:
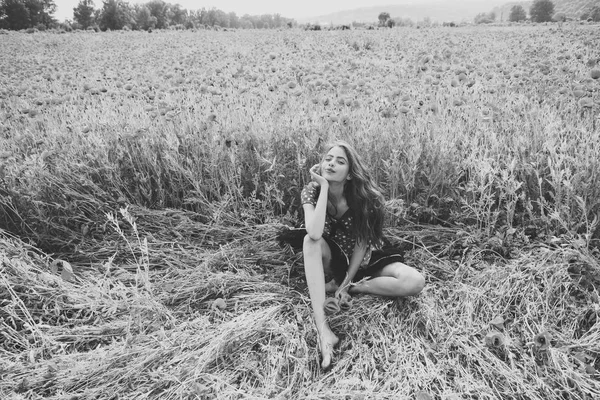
{"x": 404, "y": 22}
{"x": 591, "y": 15}
{"x": 485, "y": 18}
{"x": 312, "y": 27}
{"x": 559, "y": 17}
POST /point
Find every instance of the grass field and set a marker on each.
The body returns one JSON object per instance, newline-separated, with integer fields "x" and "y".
{"x": 143, "y": 178}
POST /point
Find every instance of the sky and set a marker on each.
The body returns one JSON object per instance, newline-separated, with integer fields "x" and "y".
{"x": 287, "y": 8}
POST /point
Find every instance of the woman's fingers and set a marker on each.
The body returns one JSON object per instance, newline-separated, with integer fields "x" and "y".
{"x": 314, "y": 171}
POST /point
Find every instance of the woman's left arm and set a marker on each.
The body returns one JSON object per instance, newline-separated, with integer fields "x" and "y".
{"x": 360, "y": 249}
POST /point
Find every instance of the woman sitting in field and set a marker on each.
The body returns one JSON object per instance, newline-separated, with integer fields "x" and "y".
{"x": 343, "y": 215}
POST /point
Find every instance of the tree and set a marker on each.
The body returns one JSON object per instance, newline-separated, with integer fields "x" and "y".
{"x": 267, "y": 21}
{"x": 83, "y": 14}
{"x": 21, "y": 14}
{"x": 176, "y": 15}
{"x": 40, "y": 12}
{"x": 517, "y": 14}
{"x": 159, "y": 9}
{"x": 234, "y": 21}
{"x": 143, "y": 18}
{"x": 14, "y": 15}
{"x": 113, "y": 15}
{"x": 424, "y": 23}
{"x": 383, "y": 18}
{"x": 542, "y": 11}
{"x": 246, "y": 22}
{"x": 277, "y": 21}
{"x": 215, "y": 17}
{"x": 210, "y": 17}
{"x": 221, "y": 18}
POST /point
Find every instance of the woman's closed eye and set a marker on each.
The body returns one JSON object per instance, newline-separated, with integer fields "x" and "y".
{"x": 340, "y": 161}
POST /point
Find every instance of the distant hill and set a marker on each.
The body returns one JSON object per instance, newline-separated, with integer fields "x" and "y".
{"x": 439, "y": 11}
{"x": 571, "y": 8}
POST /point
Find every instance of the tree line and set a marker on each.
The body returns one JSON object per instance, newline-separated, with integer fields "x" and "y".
{"x": 119, "y": 14}
{"x": 540, "y": 11}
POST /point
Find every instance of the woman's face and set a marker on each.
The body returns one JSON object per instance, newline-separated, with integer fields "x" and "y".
{"x": 335, "y": 166}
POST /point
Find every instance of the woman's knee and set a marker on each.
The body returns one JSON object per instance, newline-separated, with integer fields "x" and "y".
{"x": 311, "y": 244}
{"x": 412, "y": 281}
{"x": 319, "y": 246}
{"x": 418, "y": 282}
{"x": 415, "y": 281}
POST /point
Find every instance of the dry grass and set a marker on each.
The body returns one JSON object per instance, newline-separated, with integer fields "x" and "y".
{"x": 104, "y": 335}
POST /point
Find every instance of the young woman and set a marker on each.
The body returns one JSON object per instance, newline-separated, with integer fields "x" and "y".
{"x": 343, "y": 215}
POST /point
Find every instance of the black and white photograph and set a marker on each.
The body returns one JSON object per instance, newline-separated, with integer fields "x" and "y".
{"x": 313, "y": 200}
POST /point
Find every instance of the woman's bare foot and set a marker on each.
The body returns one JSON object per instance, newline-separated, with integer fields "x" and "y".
{"x": 328, "y": 340}
{"x": 331, "y": 286}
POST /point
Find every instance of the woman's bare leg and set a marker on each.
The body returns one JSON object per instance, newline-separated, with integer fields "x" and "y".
{"x": 316, "y": 254}
{"x": 394, "y": 280}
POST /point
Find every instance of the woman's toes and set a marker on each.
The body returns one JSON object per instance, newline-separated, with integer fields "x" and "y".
{"x": 328, "y": 342}
{"x": 326, "y": 361}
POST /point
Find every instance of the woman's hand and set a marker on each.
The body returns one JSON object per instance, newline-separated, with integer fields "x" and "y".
{"x": 316, "y": 176}
{"x": 342, "y": 292}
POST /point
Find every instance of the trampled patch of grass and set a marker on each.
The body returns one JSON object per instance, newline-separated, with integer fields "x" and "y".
{"x": 520, "y": 328}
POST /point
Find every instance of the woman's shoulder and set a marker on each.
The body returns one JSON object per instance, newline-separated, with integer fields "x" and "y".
{"x": 309, "y": 193}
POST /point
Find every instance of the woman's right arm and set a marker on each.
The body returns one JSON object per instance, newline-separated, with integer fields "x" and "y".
{"x": 314, "y": 215}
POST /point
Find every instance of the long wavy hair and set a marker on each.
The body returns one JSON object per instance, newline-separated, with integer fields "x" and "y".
{"x": 363, "y": 197}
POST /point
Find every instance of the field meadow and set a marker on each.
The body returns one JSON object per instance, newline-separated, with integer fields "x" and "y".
{"x": 144, "y": 178}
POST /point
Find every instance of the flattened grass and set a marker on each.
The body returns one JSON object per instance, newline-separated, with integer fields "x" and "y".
{"x": 104, "y": 335}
